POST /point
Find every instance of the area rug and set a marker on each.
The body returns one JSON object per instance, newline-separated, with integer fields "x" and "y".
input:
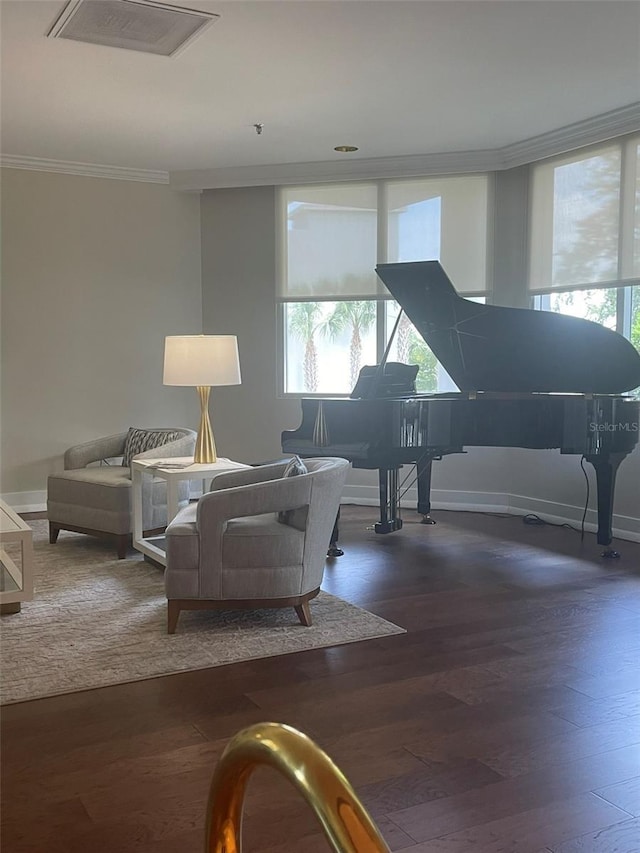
{"x": 96, "y": 621}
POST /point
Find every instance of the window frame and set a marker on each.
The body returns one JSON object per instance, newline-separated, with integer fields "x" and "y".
{"x": 382, "y": 299}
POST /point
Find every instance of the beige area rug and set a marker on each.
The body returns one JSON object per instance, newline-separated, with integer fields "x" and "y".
{"x": 96, "y": 620}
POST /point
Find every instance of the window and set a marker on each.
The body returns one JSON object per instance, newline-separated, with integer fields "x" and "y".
{"x": 409, "y": 347}
{"x": 336, "y": 314}
{"x": 585, "y": 236}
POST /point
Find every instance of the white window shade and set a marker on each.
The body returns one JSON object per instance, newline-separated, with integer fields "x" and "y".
{"x": 330, "y": 242}
{"x": 335, "y": 311}
{"x": 441, "y": 219}
{"x": 330, "y": 245}
{"x": 575, "y": 220}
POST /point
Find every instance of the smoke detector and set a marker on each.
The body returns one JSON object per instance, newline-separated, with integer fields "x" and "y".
{"x": 142, "y": 25}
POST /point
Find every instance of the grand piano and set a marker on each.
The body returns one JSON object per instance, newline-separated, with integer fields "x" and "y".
{"x": 527, "y": 378}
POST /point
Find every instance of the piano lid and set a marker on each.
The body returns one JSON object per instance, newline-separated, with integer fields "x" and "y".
{"x": 493, "y": 348}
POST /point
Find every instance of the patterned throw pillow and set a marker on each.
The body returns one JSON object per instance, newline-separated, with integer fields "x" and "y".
{"x": 294, "y": 468}
{"x": 139, "y": 440}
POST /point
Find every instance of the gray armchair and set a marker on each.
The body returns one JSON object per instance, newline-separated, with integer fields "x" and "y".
{"x": 258, "y": 539}
{"x": 96, "y": 498}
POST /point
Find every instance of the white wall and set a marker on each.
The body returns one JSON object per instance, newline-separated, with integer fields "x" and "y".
{"x": 95, "y": 272}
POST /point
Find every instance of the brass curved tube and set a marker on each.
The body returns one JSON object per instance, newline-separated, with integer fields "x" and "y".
{"x": 346, "y": 824}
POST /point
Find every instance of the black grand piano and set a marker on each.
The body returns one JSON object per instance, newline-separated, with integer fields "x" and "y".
{"x": 527, "y": 378}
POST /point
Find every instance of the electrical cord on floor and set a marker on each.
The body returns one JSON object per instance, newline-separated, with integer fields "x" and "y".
{"x": 532, "y": 518}
{"x": 535, "y": 520}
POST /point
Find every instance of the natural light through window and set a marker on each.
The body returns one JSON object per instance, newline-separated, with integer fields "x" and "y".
{"x": 585, "y": 236}
{"x": 336, "y": 314}
{"x": 586, "y": 212}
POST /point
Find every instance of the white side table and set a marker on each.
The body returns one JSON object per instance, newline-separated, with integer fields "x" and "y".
{"x": 172, "y": 471}
{"x": 16, "y": 582}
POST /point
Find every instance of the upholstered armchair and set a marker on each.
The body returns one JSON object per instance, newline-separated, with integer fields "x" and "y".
{"x": 257, "y": 539}
{"x": 93, "y": 493}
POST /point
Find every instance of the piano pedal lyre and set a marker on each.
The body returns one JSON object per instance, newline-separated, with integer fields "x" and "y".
{"x": 388, "y": 525}
{"x": 320, "y": 436}
{"x": 346, "y": 824}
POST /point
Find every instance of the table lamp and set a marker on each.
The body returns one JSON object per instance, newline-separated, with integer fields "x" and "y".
{"x": 202, "y": 361}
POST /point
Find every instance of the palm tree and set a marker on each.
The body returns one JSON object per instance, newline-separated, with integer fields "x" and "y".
{"x": 357, "y": 318}
{"x": 303, "y": 319}
{"x": 404, "y": 338}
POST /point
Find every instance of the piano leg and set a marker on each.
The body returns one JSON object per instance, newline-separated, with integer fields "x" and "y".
{"x": 423, "y": 470}
{"x": 606, "y": 468}
{"x": 333, "y": 550}
{"x": 388, "y": 487}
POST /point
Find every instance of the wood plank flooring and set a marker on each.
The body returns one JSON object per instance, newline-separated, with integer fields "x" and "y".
{"x": 506, "y": 719}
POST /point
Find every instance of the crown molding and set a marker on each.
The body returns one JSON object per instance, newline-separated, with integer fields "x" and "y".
{"x": 590, "y": 131}
{"x": 89, "y": 170}
{"x": 458, "y": 162}
{"x": 593, "y": 130}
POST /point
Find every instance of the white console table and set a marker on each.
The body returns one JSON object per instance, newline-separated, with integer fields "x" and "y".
{"x": 171, "y": 470}
{"x": 16, "y": 581}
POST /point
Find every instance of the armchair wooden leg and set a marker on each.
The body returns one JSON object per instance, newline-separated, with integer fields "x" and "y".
{"x": 53, "y": 533}
{"x": 173, "y": 614}
{"x": 122, "y": 545}
{"x": 304, "y": 613}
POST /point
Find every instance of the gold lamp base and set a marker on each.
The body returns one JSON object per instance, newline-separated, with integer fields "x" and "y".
{"x": 205, "y": 445}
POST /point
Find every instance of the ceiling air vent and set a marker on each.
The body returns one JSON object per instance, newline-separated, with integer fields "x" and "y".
{"x": 131, "y": 24}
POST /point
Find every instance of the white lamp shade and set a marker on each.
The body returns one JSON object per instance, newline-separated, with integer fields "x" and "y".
{"x": 204, "y": 360}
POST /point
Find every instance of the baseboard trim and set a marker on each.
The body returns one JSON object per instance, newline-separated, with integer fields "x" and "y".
{"x": 26, "y": 501}
{"x": 624, "y": 526}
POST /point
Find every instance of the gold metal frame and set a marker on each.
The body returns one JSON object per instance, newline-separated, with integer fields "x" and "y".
{"x": 205, "y": 450}
{"x": 346, "y": 824}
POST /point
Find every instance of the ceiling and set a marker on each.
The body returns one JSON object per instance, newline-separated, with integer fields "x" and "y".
{"x": 394, "y": 78}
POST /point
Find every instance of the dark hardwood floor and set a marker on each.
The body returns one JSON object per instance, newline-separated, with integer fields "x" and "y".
{"x": 506, "y": 719}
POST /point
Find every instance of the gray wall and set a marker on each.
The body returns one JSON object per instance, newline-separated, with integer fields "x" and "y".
{"x": 238, "y": 297}
{"x": 95, "y": 273}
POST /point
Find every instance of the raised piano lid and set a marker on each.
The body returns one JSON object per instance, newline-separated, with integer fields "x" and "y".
{"x": 491, "y": 348}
